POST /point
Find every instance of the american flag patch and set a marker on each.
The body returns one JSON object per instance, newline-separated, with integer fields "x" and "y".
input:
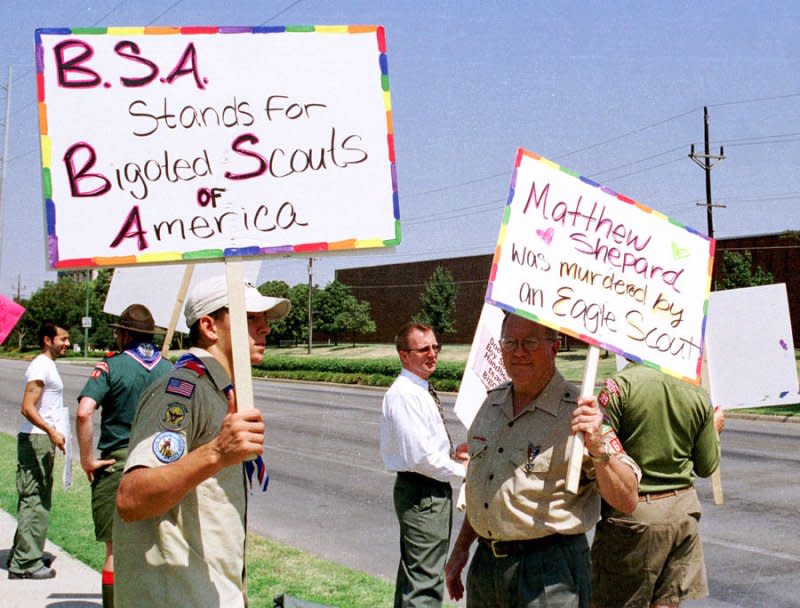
{"x": 176, "y": 386}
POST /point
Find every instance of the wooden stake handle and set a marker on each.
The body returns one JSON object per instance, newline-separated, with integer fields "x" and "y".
{"x": 587, "y": 390}
{"x": 242, "y": 372}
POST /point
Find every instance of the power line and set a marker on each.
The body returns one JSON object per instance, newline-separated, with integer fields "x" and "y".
{"x": 168, "y": 9}
{"x": 279, "y": 13}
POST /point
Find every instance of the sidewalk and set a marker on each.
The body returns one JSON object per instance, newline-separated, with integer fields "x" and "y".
{"x": 76, "y": 585}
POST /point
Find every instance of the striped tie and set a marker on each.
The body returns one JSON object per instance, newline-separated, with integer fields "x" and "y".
{"x": 441, "y": 414}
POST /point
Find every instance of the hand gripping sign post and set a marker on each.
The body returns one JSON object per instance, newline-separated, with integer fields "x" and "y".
{"x": 191, "y": 144}
{"x": 594, "y": 264}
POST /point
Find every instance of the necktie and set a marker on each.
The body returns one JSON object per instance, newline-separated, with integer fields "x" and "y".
{"x": 252, "y": 468}
{"x": 441, "y": 414}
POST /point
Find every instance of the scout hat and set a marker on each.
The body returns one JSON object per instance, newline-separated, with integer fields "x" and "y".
{"x": 212, "y": 294}
{"x": 137, "y": 318}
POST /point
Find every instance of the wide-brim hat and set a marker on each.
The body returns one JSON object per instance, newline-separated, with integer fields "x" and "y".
{"x": 211, "y": 295}
{"x": 137, "y": 318}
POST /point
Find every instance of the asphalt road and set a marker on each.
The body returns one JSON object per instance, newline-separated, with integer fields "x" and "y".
{"x": 329, "y": 495}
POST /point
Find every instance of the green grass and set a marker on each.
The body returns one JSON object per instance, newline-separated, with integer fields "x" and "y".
{"x": 272, "y": 569}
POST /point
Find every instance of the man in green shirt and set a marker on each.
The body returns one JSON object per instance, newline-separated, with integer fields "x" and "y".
{"x": 114, "y": 387}
{"x": 653, "y": 556}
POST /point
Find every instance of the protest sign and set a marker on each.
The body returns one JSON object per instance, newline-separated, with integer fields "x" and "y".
{"x": 10, "y": 313}
{"x": 158, "y": 288}
{"x": 751, "y": 364}
{"x": 201, "y": 143}
{"x": 594, "y": 264}
{"x": 484, "y": 369}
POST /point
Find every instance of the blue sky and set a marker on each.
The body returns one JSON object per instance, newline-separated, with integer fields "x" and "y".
{"x": 613, "y": 90}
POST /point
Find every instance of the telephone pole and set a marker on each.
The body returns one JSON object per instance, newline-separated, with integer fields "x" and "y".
{"x": 705, "y": 162}
{"x": 5, "y": 155}
{"x": 310, "y": 288}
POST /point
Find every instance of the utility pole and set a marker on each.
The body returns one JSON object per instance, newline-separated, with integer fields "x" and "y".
{"x": 5, "y": 156}
{"x": 310, "y": 287}
{"x": 705, "y": 162}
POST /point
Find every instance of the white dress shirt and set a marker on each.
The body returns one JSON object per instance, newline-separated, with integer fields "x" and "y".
{"x": 413, "y": 436}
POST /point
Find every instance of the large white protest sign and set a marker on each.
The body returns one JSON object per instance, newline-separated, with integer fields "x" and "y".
{"x": 750, "y": 349}
{"x": 199, "y": 143}
{"x": 603, "y": 268}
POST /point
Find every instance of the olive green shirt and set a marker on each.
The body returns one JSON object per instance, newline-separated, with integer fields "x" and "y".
{"x": 192, "y": 555}
{"x": 516, "y": 478}
{"x": 665, "y": 424}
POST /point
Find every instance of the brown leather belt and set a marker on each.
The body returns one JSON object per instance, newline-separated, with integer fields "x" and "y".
{"x": 659, "y": 495}
{"x": 506, "y": 548}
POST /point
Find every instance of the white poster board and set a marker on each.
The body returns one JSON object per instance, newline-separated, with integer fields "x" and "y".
{"x": 601, "y": 267}
{"x": 484, "y": 369}
{"x": 200, "y": 143}
{"x": 750, "y": 348}
{"x": 157, "y": 288}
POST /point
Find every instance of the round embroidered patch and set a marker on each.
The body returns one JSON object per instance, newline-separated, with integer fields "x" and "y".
{"x": 174, "y": 416}
{"x": 168, "y": 446}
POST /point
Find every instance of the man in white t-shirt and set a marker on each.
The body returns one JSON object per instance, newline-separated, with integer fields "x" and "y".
{"x": 42, "y": 431}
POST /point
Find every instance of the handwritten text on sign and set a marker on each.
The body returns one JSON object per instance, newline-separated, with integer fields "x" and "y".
{"x": 200, "y": 141}
{"x": 602, "y": 268}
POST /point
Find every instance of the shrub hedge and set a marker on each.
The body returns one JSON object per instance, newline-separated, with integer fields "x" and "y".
{"x": 369, "y": 372}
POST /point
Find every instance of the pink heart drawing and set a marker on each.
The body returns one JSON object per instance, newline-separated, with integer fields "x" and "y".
{"x": 545, "y": 235}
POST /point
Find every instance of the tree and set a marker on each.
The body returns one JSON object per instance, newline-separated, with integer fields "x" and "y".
{"x": 331, "y": 304}
{"x": 62, "y": 302}
{"x": 439, "y": 302}
{"x": 737, "y": 271}
{"x": 355, "y": 318}
{"x": 280, "y": 329}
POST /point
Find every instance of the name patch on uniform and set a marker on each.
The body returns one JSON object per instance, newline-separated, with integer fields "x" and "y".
{"x": 174, "y": 416}
{"x": 176, "y": 386}
{"x": 168, "y": 446}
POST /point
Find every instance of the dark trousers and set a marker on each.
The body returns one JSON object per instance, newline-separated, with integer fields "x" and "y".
{"x": 425, "y": 511}
{"x": 555, "y": 575}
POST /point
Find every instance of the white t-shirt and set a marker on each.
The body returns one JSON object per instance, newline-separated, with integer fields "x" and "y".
{"x": 51, "y": 404}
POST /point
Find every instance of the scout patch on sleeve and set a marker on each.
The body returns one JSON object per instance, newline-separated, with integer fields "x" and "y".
{"x": 612, "y": 387}
{"x": 168, "y": 446}
{"x": 603, "y": 399}
{"x": 99, "y": 369}
{"x": 174, "y": 416}
{"x": 176, "y": 386}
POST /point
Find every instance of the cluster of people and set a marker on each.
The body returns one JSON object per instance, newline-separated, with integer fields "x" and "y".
{"x": 647, "y": 436}
{"x": 167, "y": 476}
{"x": 168, "y": 484}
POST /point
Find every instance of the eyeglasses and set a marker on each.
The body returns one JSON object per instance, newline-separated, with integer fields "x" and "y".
{"x": 529, "y": 345}
{"x": 436, "y": 348}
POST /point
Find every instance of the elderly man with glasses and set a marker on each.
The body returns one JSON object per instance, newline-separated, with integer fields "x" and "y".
{"x": 532, "y": 549}
{"x": 416, "y": 445}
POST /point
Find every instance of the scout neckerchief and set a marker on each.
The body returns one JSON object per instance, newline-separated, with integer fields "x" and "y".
{"x": 252, "y": 468}
{"x": 144, "y": 353}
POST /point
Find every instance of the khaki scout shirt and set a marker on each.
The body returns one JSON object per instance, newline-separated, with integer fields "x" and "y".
{"x": 192, "y": 555}
{"x": 516, "y": 478}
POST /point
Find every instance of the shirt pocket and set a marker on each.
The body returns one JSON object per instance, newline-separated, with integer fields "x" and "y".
{"x": 541, "y": 466}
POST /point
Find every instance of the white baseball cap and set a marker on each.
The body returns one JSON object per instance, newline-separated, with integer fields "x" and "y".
{"x": 210, "y": 295}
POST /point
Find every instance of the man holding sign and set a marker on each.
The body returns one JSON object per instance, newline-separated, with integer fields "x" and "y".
{"x": 518, "y": 507}
{"x": 653, "y": 556}
{"x": 180, "y": 529}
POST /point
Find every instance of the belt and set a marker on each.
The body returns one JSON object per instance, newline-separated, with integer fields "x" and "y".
{"x": 659, "y": 495}
{"x": 506, "y": 548}
{"x": 419, "y": 479}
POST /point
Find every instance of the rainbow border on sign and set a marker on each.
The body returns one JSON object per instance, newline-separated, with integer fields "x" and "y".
{"x": 206, "y": 254}
{"x": 582, "y": 337}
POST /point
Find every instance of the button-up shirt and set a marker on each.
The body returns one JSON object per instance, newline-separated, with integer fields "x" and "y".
{"x": 516, "y": 479}
{"x": 413, "y": 436}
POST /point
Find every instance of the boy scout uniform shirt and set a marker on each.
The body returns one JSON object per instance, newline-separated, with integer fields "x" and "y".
{"x": 516, "y": 478}
{"x": 192, "y": 555}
